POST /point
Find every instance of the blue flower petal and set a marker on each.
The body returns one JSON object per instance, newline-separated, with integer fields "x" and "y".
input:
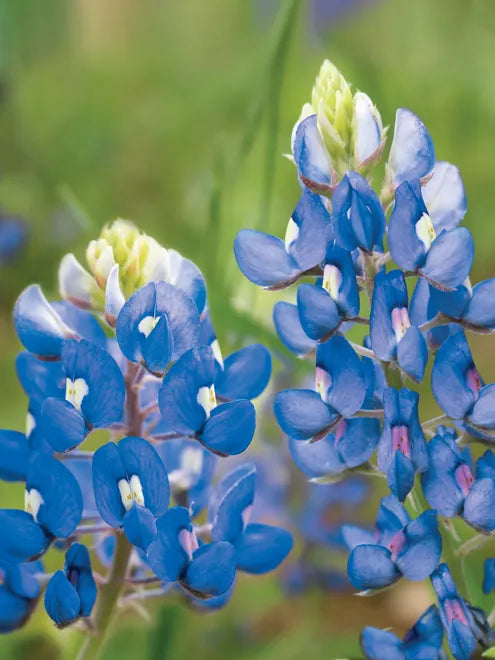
{"x": 450, "y": 258}
{"x": 407, "y": 250}
{"x": 381, "y": 644}
{"x": 188, "y": 277}
{"x": 311, "y": 157}
{"x": 62, "y": 425}
{"x": 108, "y": 470}
{"x": 79, "y": 573}
{"x": 38, "y": 326}
{"x": 489, "y": 576}
{"x": 139, "y": 526}
{"x": 318, "y": 312}
{"x": 400, "y": 475}
{"x": 165, "y": 554}
{"x": 22, "y": 538}
{"x": 212, "y": 570}
{"x": 141, "y": 459}
{"x": 371, "y": 567}
{"x": 39, "y": 379}
{"x": 14, "y": 610}
{"x": 230, "y": 508}
{"x": 178, "y": 396}
{"x": 302, "y": 414}
{"x": 82, "y": 322}
{"x": 290, "y": 330}
{"x": 445, "y": 197}
{"x": 262, "y": 548}
{"x": 62, "y": 600}
{"x": 14, "y": 450}
{"x": 263, "y": 259}
{"x": 245, "y": 374}
{"x": 479, "y": 507}
{"x": 481, "y": 309}
{"x": 412, "y": 354}
{"x": 412, "y": 155}
{"x": 230, "y": 428}
{"x": 313, "y": 224}
{"x": 422, "y": 549}
{"x": 61, "y": 509}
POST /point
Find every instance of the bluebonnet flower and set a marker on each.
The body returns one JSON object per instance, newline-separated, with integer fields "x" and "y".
{"x": 289, "y": 329}
{"x": 489, "y": 576}
{"x": 131, "y": 488}
{"x": 423, "y": 641}
{"x": 400, "y": 547}
{"x": 450, "y": 486}
{"x": 270, "y": 262}
{"x": 71, "y": 593}
{"x": 412, "y": 154}
{"x": 176, "y": 555}
{"x": 157, "y": 325}
{"x": 53, "y": 509}
{"x": 459, "y": 389}
{"x": 358, "y": 219}
{"x": 94, "y": 396}
{"x": 324, "y": 306}
{"x": 19, "y": 593}
{"x": 259, "y": 548}
{"x": 340, "y": 392}
{"x": 392, "y": 335}
{"x": 13, "y": 236}
{"x": 437, "y": 249}
{"x": 466, "y": 626}
{"x": 188, "y": 402}
{"x": 470, "y": 306}
{"x": 402, "y": 449}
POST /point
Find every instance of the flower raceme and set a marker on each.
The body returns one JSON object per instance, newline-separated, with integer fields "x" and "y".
{"x": 130, "y": 351}
{"x": 359, "y": 248}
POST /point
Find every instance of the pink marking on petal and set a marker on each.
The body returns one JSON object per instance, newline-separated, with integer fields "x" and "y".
{"x": 473, "y": 380}
{"x": 453, "y": 610}
{"x": 188, "y": 541}
{"x": 246, "y": 515}
{"x": 323, "y": 382}
{"x": 400, "y": 440}
{"x": 464, "y": 478}
{"x": 400, "y": 322}
{"x": 340, "y": 430}
{"x": 397, "y": 544}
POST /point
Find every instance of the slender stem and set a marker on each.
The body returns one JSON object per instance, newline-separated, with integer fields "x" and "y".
{"x": 110, "y": 592}
{"x": 359, "y": 319}
{"x": 141, "y": 595}
{"x": 362, "y": 350}
{"x": 438, "y": 319}
{"x": 473, "y": 544}
{"x": 379, "y": 412}
{"x": 435, "y": 420}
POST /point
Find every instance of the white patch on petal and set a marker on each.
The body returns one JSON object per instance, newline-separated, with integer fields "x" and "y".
{"x": 217, "y": 353}
{"x": 246, "y": 515}
{"x": 147, "y": 325}
{"x": 207, "y": 399}
{"x": 32, "y": 502}
{"x": 103, "y": 266}
{"x": 332, "y": 279}
{"x": 191, "y": 464}
{"x": 75, "y": 283}
{"x": 157, "y": 266}
{"x": 291, "y": 234}
{"x": 114, "y": 298}
{"x": 137, "y": 490}
{"x": 30, "y": 424}
{"x": 425, "y": 231}
{"x": 125, "y": 494}
{"x": 322, "y": 382}
{"x": 400, "y": 322}
{"x": 75, "y": 391}
{"x": 188, "y": 541}
{"x": 368, "y": 127}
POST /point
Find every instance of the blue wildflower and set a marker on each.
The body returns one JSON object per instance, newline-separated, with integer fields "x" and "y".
{"x": 470, "y": 306}
{"x": 340, "y": 392}
{"x": 259, "y": 548}
{"x": 94, "y": 396}
{"x": 459, "y": 389}
{"x": 289, "y": 329}
{"x": 157, "y": 325}
{"x": 188, "y": 402}
{"x": 71, "y": 593}
{"x": 176, "y": 555}
{"x": 13, "y": 236}
{"x": 423, "y": 308}
{"x": 450, "y": 486}
{"x": 131, "y": 488}
{"x": 423, "y": 640}
{"x": 440, "y": 251}
{"x": 392, "y": 335}
{"x": 324, "y": 306}
{"x": 270, "y": 262}
{"x": 53, "y": 509}
{"x": 19, "y": 593}
{"x": 401, "y": 547}
{"x": 358, "y": 219}
{"x": 402, "y": 449}
{"x": 466, "y": 626}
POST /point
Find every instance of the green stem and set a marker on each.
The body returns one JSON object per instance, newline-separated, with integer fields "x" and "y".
{"x": 107, "y": 599}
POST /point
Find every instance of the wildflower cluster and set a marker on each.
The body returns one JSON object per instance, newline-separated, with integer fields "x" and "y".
{"x": 127, "y": 364}
{"x": 394, "y": 259}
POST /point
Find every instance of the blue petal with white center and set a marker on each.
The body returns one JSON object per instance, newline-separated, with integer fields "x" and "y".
{"x": 412, "y": 155}
{"x": 143, "y": 334}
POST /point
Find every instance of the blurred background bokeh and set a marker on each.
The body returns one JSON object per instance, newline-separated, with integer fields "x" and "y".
{"x": 176, "y": 115}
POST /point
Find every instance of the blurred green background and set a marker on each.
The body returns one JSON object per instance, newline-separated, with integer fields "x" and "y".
{"x": 176, "y": 115}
